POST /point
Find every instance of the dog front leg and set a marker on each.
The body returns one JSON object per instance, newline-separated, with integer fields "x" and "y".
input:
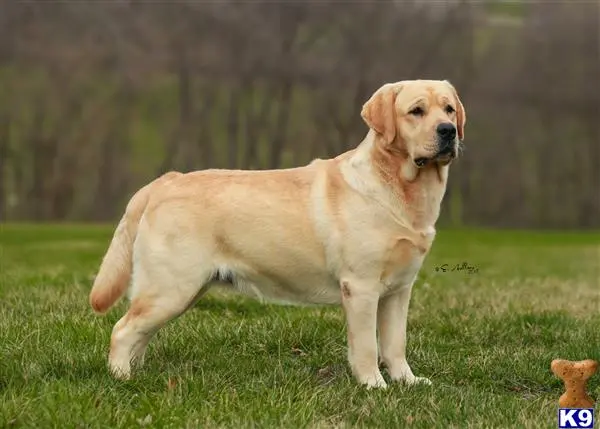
{"x": 360, "y": 305}
{"x": 392, "y": 318}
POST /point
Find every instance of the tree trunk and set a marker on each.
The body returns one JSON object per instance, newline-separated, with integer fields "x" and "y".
{"x": 4, "y": 136}
{"x": 281, "y": 125}
{"x": 256, "y": 123}
{"x": 233, "y": 126}
{"x": 113, "y": 179}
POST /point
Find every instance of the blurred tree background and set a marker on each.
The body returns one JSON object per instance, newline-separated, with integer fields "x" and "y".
{"x": 99, "y": 97}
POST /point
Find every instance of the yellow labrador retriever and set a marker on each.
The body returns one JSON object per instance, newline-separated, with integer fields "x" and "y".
{"x": 352, "y": 230}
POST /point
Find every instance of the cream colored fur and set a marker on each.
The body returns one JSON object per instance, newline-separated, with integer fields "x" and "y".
{"x": 352, "y": 230}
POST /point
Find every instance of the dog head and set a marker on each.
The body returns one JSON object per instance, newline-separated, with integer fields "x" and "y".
{"x": 424, "y": 119}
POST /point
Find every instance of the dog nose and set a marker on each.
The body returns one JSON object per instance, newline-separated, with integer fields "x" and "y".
{"x": 446, "y": 131}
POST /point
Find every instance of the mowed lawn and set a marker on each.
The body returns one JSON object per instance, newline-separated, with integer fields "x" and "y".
{"x": 484, "y": 336}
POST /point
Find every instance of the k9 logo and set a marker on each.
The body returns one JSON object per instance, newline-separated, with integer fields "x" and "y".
{"x": 575, "y": 418}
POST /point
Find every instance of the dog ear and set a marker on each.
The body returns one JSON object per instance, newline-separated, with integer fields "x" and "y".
{"x": 461, "y": 116}
{"x": 379, "y": 113}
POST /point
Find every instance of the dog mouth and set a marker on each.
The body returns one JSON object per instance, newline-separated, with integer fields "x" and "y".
{"x": 443, "y": 157}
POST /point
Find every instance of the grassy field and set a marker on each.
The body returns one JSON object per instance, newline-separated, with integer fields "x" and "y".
{"x": 484, "y": 336}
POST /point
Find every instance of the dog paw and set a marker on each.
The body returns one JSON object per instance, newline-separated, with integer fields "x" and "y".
{"x": 402, "y": 373}
{"x": 377, "y": 385}
{"x": 120, "y": 372}
{"x": 374, "y": 382}
{"x": 410, "y": 379}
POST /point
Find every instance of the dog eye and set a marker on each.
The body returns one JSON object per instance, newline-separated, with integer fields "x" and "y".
{"x": 417, "y": 111}
{"x": 449, "y": 109}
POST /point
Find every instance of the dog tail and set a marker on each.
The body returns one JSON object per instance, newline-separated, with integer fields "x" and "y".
{"x": 115, "y": 271}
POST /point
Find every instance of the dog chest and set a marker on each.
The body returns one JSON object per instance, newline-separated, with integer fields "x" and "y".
{"x": 404, "y": 257}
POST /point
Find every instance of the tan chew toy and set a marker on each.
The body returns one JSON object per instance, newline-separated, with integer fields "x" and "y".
{"x": 575, "y": 375}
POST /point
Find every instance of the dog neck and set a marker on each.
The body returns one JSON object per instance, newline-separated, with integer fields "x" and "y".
{"x": 413, "y": 194}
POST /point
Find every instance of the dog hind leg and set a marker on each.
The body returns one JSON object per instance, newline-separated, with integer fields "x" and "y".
{"x": 154, "y": 303}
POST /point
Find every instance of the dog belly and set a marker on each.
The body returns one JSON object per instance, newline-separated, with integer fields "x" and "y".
{"x": 275, "y": 265}
{"x": 299, "y": 289}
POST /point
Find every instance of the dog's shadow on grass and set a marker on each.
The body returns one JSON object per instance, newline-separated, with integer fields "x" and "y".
{"x": 242, "y": 307}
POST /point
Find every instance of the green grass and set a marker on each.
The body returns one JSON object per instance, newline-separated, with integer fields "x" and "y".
{"x": 486, "y": 340}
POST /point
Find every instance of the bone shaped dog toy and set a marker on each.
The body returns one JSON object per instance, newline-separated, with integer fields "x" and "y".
{"x": 575, "y": 375}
